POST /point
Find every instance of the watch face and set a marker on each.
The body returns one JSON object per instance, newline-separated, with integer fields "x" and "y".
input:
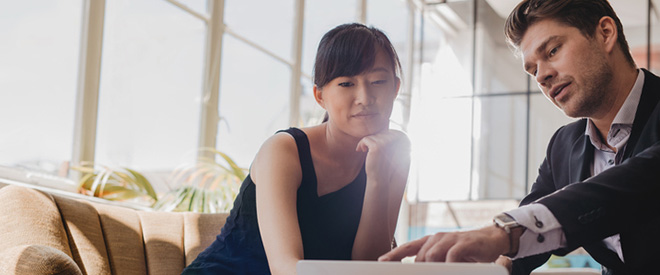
{"x": 504, "y": 220}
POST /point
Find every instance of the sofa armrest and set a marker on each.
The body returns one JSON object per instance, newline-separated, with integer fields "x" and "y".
{"x": 30, "y": 217}
{"x": 36, "y": 259}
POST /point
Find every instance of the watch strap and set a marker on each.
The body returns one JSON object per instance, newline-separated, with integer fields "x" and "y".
{"x": 507, "y": 223}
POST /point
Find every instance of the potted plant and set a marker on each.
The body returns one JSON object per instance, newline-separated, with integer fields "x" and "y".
{"x": 118, "y": 184}
{"x": 207, "y": 186}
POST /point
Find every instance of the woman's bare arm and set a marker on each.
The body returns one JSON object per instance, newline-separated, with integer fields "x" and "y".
{"x": 387, "y": 166}
{"x": 277, "y": 175}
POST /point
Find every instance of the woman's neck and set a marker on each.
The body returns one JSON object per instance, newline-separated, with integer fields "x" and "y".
{"x": 340, "y": 146}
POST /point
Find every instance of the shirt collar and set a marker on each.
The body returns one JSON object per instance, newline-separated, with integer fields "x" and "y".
{"x": 625, "y": 116}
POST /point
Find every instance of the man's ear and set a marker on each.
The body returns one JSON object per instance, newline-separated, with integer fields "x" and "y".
{"x": 318, "y": 95}
{"x": 607, "y": 33}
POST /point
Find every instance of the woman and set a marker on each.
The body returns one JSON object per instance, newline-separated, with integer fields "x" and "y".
{"x": 330, "y": 191}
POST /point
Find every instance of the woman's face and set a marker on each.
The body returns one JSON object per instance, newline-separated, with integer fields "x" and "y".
{"x": 361, "y": 105}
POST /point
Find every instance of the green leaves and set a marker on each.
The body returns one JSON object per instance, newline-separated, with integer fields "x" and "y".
{"x": 206, "y": 186}
{"x": 143, "y": 183}
{"x": 114, "y": 184}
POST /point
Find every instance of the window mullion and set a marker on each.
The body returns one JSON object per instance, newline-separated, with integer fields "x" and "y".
{"x": 89, "y": 74}
{"x": 211, "y": 87}
{"x": 296, "y": 66}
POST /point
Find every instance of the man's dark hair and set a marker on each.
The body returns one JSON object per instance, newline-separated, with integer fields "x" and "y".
{"x": 581, "y": 14}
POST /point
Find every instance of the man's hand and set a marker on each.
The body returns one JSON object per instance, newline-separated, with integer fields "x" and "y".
{"x": 506, "y": 262}
{"x": 481, "y": 245}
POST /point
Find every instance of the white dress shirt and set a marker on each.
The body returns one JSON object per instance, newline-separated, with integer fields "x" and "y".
{"x": 544, "y": 233}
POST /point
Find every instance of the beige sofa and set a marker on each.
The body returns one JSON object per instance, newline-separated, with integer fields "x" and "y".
{"x": 51, "y": 234}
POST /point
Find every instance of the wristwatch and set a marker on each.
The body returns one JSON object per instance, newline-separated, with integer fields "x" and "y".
{"x": 507, "y": 223}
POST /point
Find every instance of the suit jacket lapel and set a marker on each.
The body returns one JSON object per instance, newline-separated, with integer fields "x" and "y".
{"x": 647, "y": 103}
{"x": 579, "y": 166}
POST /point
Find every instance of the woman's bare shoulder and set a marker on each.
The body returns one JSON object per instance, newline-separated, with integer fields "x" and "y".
{"x": 277, "y": 157}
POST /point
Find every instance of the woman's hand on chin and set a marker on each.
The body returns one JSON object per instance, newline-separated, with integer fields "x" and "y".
{"x": 388, "y": 155}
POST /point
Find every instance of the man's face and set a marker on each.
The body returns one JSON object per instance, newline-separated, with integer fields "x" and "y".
{"x": 570, "y": 68}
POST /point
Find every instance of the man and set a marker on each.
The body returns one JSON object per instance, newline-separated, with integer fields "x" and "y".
{"x": 599, "y": 182}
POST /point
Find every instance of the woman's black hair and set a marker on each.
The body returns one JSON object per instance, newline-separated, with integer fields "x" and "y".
{"x": 349, "y": 50}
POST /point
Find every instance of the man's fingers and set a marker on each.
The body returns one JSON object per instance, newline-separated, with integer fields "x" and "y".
{"x": 469, "y": 246}
{"x": 456, "y": 254}
{"x": 430, "y": 243}
{"x": 438, "y": 252}
{"x": 405, "y": 250}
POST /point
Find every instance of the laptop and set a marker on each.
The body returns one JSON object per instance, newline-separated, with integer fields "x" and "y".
{"x": 323, "y": 267}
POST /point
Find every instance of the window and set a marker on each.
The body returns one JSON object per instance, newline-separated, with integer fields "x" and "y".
{"x": 39, "y": 50}
{"x": 479, "y": 126}
{"x": 254, "y": 100}
{"x": 151, "y": 81}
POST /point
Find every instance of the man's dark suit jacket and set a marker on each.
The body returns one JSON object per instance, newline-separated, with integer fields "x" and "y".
{"x": 621, "y": 200}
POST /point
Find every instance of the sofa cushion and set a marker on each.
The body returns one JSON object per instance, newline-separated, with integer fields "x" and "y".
{"x": 162, "y": 233}
{"x": 85, "y": 235}
{"x": 123, "y": 237}
{"x": 200, "y": 230}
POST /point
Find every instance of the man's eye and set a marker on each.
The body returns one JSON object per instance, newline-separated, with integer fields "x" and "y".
{"x": 379, "y": 82}
{"x": 346, "y": 84}
{"x": 553, "y": 51}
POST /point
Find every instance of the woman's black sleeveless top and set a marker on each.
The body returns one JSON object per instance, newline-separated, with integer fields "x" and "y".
{"x": 328, "y": 224}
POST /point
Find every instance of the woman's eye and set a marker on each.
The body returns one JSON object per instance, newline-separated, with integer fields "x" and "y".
{"x": 346, "y": 84}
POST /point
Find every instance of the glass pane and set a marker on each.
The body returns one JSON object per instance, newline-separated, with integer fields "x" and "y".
{"x": 498, "y": 69}
{"x": 500, "y": 134}
{"x": 320, "y": 17}
{"x": 267, "y": 23}
{"x": 198, "y": 6}
{"x": 533, "y": 85}
{"x": 655, "y": 40}
{"x": 151, "y": 82}
{"x": 447, "y": 47}
{"x": 254, "y": 100}
{"x": 633, "y": 16}
{"x": 545, "y": 119}
{"x": 39, "y": 50}
{"x": 440, "y": 133}
{"x": 444, "y": 72}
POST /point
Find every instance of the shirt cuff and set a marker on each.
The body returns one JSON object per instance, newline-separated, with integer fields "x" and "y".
{"x": 543, "y": 232}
